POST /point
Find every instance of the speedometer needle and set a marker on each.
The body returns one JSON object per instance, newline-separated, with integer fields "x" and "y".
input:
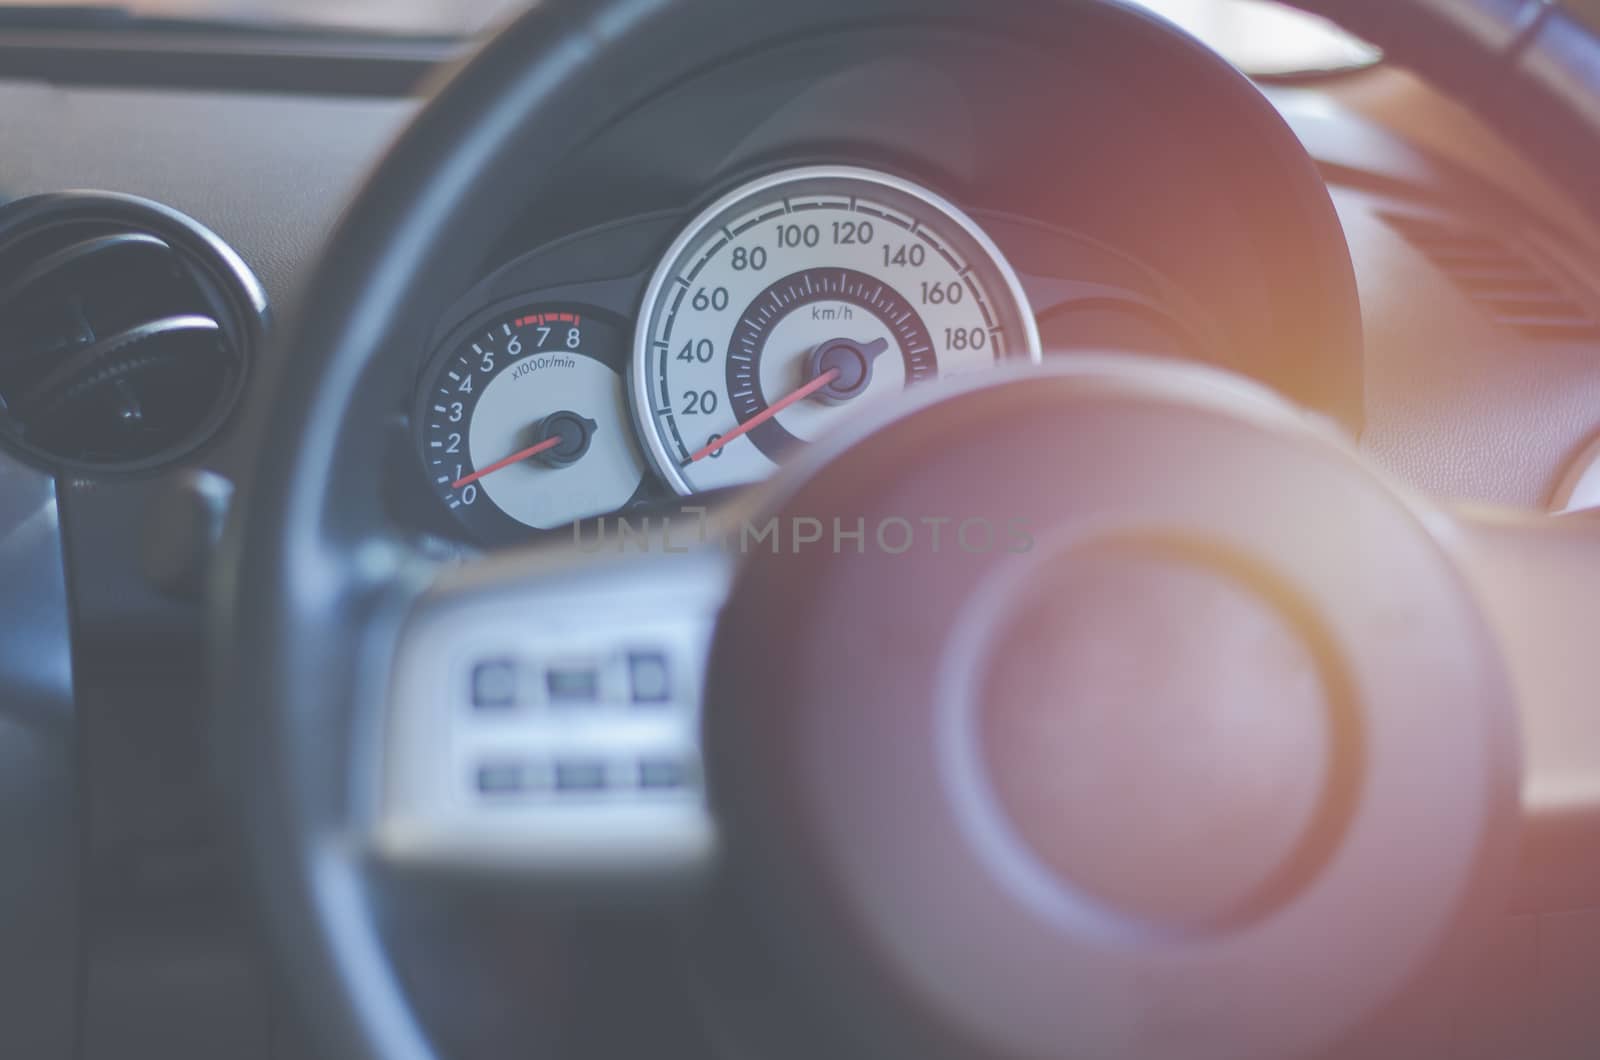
{"x": 517, "y": 457}
{"x": 766, "y": 414}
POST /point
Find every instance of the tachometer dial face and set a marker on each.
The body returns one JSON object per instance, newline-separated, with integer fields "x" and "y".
{"x": 523, "y": 422}
{"x": 801, "y": 297}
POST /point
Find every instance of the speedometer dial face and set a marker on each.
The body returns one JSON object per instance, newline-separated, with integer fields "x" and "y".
{"x": 804, "y": 296}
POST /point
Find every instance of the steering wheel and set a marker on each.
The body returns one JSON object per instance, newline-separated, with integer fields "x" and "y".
{"x": 1378, "y": 696}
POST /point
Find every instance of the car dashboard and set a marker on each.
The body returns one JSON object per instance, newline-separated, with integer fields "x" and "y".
{"x": 1434, "y": 308}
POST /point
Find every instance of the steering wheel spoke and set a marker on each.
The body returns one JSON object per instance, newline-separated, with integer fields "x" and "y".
{"x": 1538, "y": 580}
{"x": 543, "y": 718}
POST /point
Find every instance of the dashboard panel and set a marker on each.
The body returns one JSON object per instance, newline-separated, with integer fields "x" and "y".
{"x": 1173, "y": 223}
{"x": 572, "y": 316}
{"x": 1155, "y": 205}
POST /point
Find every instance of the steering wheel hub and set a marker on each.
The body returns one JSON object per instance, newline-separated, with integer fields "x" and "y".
{"x": 1160, "y": 742}
{"x": 1142, "y": 675}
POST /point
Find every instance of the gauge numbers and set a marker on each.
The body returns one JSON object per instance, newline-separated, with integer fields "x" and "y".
{"x": 523, "y": 423}
{"x": 801, "y": 297}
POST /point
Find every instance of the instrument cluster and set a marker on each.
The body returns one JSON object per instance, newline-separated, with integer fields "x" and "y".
{"x": 784, "y": 306}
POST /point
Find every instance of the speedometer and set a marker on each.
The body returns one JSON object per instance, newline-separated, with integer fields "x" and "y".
{"x": 801, "y": 296}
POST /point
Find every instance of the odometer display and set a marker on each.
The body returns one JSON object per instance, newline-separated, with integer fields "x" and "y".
{"x": 802, "y": 296}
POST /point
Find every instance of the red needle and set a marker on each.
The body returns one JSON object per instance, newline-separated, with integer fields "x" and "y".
{"x": 532, "y": 450}
{"x": 766, "y": 414}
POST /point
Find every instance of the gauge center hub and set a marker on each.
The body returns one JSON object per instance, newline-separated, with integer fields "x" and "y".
{"x": 850, "y": 364}
{"x": 575, "y": 432}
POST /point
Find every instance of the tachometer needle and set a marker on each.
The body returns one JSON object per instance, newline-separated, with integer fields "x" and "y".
{"x": 766, "y": 414}
{"x": 515, "y": 458}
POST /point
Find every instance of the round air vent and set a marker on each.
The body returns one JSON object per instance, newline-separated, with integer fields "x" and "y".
{"x": 125, "y": 331}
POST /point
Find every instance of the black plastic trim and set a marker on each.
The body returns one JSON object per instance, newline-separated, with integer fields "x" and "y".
{"x": 384, "y": 67}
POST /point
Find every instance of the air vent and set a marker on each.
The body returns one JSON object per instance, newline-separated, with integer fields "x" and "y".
{"x": 125, "y": 331}
{"x": 1515, "y": 290}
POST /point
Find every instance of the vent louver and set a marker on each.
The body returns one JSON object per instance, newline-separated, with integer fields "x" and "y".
{"x": 125, "y": 331}
{"x": 1514, "y": 289}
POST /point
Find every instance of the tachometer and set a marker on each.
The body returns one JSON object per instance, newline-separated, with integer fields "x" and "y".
{"x": 522, "y": 421}
{"x": 800, "y": 296}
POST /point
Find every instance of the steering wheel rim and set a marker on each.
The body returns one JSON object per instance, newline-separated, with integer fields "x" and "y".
{"x": 308, "y": 556}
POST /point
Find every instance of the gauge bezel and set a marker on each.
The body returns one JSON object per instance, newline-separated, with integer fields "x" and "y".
{"x": 638, "y": 382}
